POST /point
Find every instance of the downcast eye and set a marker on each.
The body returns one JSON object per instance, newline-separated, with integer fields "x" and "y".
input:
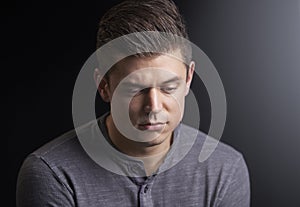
{"x": 169, "y": 89}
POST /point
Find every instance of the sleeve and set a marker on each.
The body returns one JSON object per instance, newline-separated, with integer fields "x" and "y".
{"x": 237, "y": 193}
{"x": 38, "y": 186}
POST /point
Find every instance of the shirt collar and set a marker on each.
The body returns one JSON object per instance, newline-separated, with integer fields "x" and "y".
{"x": 108, "y": 157}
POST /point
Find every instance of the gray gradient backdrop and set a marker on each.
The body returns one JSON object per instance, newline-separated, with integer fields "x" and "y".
{"x": 254, "y": 45}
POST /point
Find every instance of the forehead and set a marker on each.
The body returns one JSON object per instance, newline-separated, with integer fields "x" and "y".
{"x": 166, "y": 63}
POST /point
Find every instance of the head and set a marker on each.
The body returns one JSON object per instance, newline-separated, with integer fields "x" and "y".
{"x": 151, "y": 85}
{"x": 140, "y": 15}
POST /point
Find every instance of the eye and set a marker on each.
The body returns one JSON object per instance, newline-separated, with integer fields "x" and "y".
{"x": 169, "y": 89}
{"x": 133, "y": 91}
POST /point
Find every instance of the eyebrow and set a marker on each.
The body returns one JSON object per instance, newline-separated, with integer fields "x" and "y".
{"x": 174, "y": 79}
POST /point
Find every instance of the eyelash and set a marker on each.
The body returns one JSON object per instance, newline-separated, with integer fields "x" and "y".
{"x": 167, "y": 90}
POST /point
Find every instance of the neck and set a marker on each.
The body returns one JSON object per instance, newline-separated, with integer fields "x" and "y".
{"x": 137, "y": 149}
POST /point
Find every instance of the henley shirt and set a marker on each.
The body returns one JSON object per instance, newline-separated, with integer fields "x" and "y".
{"x": 62, "y": 173}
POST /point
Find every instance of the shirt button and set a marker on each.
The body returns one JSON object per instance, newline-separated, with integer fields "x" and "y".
{"x": 146, "y": 189}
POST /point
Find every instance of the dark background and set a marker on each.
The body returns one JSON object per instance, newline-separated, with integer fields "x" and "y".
{"x": 254, "y": 45}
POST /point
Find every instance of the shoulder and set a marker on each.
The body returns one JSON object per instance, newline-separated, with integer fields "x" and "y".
{"x": 56, "y": 143}
{"x": 62, "y": 154}
{"x": 223, "y": 167}
{"x": 59, "y": 148}
{"x": 210, "y": 151}
{"x": 50, "y": 156}
{"x": 40, "y": 177}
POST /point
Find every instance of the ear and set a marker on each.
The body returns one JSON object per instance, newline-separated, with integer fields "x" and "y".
{"x": 102, "y": 85}
{"x": 189, "y": 76}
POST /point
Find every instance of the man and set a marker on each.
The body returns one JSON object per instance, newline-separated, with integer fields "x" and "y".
{"x": 147, "y": 157}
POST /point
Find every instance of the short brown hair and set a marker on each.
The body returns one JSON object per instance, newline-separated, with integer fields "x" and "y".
{"x": 137, "y": 16}
{"x": 140, "y": 15}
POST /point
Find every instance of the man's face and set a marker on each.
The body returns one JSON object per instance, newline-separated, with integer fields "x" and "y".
{"x": 151, "y": 90}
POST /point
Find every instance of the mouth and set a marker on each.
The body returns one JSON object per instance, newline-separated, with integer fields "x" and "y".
{"x": 157, "y": 126}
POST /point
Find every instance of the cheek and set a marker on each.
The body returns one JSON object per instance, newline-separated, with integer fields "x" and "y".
{"x": 135, "y": 104}
{"x": 135, "y": 108}
{"x": 175, "y": 103}
{"x": 175, "y": 108}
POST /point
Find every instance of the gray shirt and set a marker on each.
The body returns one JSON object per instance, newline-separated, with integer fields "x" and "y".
{"x": 61, "y": 173}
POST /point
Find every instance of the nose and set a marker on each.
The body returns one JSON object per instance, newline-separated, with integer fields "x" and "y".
{"x": 153, "y": 101}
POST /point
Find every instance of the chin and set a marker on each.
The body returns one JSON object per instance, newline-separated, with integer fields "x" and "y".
{"x": 157, "y": 141}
